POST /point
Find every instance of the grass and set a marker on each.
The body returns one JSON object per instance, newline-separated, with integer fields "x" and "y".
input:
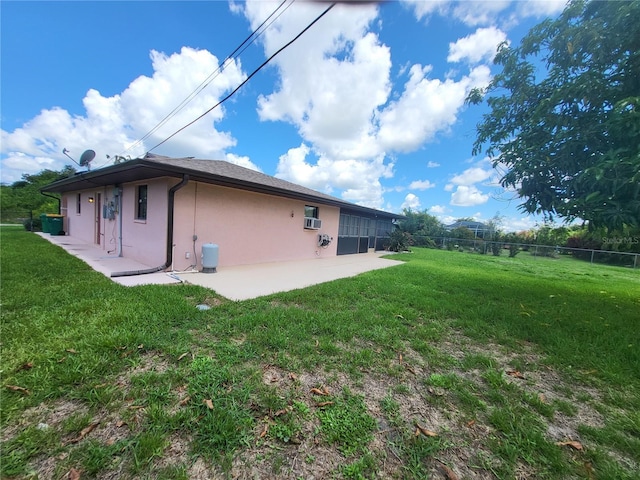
{"x": 477, "y": 364}
{"x": 346, "y": 423}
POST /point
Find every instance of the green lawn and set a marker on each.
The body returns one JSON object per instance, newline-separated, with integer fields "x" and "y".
{"x": 450, "y": 364}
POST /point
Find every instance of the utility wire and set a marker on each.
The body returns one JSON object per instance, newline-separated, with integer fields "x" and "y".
{"x": 249, "y": 77}
{"x": 207, "y": 81}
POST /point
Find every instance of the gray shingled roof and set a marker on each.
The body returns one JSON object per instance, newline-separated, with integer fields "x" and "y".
{"x": 217, "y": 172}
{"x": 221, "y": 168}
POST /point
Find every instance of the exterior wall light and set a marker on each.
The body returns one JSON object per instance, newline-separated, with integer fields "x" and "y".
{"x": 90, "y": 199}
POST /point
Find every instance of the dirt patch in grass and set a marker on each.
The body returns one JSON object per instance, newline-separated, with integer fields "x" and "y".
{"x": 427, "y": 410}
{"x": 464, "y": 433}
{"x": 111, "y": 428}
{"x": 148, "y": 362}
{"x": 45, "y": 416}
{"x": 309, "y": 460}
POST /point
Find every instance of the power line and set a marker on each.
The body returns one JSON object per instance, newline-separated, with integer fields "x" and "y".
{"x": 249, "y": 77}
{"x": 207, "y": 81}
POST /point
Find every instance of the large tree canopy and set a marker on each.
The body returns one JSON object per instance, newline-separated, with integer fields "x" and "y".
{"x": 565, "y": 115}
{"x": 24, "y": 196}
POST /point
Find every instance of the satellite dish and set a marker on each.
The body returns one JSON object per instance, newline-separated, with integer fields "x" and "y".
{"x": 86, "y": 158}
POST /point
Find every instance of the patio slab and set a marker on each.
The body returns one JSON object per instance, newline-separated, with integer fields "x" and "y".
{"x": 240, "y": 282}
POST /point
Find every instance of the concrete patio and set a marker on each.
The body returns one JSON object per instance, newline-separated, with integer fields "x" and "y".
{"x": 236, "y": 283}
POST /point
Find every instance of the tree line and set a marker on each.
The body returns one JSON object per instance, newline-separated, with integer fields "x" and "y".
{"x": 21, "y": 202}
{"x": 419, "y": 228}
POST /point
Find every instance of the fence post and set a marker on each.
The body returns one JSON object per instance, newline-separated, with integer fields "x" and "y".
{"x": 635, "y": 261}
{"x": 592, "y": 253}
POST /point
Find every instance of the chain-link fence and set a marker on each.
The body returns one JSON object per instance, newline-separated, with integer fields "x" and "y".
{"x": 19, "y": 216}
{"x": 488, "y": 247}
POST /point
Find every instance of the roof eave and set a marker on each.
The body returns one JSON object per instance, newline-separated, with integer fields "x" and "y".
{"x": 142, "y": 169}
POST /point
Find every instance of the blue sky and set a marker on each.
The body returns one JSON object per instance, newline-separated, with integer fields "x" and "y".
{"x": 368, "y": 105}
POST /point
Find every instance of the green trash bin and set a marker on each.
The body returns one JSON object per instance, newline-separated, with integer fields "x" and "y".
{"x": 55, "y": 224}
{"x": 44, "y": 220}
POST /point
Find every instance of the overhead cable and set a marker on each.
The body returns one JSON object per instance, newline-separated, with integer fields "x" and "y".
{"x": 249, "y": 77}
{"x": 207, "y": 81}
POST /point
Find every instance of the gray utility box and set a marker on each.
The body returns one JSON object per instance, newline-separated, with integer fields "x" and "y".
{"x": 210, "y": 253}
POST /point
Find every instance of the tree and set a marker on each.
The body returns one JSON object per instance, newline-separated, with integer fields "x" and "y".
{"x": 24, "y": 196}
{"x": 494, "y": 235}
{"x": 422, "y": 226}
{"x": 569, "y": 136}
{"x": 462, "y": 233}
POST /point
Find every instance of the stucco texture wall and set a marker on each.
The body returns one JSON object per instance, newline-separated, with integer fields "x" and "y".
{"x": 248, "y": 227}
{"x": 81, "y": 225}
{"x": 146, "y": 240}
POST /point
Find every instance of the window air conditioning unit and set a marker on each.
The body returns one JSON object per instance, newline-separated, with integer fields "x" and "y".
{"x": 312, "y": 223}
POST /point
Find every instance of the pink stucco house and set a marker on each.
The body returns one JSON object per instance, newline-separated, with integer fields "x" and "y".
{"x": 160, "y": 211}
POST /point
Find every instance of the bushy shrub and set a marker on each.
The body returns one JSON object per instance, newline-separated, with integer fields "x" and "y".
{"x": 32, "y": 224}
{"x": 582, "y": 245}
{"x": 511, "y": 240}
{"x": 399, "y": 241}
{"x": 423, "y": 241}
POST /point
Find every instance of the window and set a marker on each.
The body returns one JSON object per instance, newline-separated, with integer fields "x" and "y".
{"x": 78, "y": 203}
{"x": 343, "y": 229}
{"x": 141, "y": 204}
{"x": 385, "y": 227}
{"x": 354, "y": 231}
{"x": 311, "y": 212}
{"x": 364, "y": 227}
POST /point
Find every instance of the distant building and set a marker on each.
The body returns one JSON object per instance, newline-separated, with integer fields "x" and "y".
{"x": 479, "y": 229}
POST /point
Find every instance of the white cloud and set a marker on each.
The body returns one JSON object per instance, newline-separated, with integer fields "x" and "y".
{"x": 476, "y": 12}
{"x": 332, "y": 82}
{"x": 421, "y": 185}
{"x": 433, "y": 165}
{"x": 242, "y": 161}
{"x": 111, "y": 124}
{"x": 314, "y": 96}
{"x": 485, "y": 12}
{"x": 438, "y": 210}
{"x": 518, "y": 224}
{"x": 479, "y": 12}
{"x": 466, "y": 193}
{"x": 468, "y": 196}
{"x": 541, "y": 8}
{"x": 477, "y": 47}
{"x": 315, "y": 86}
{"x": 423, "y": 10}
{"x": 411, "y": 202}
{"x": 359, "y": 179}
{"x": 472, "y": 175}
{"x": 335, "y": 88}
{"x": 293, "y": 166}
{"x": 21, "y": 162}
{"x": 148, "y": 99}
{"x": 426, "y": 107}
{"x": 447, "y": 219}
